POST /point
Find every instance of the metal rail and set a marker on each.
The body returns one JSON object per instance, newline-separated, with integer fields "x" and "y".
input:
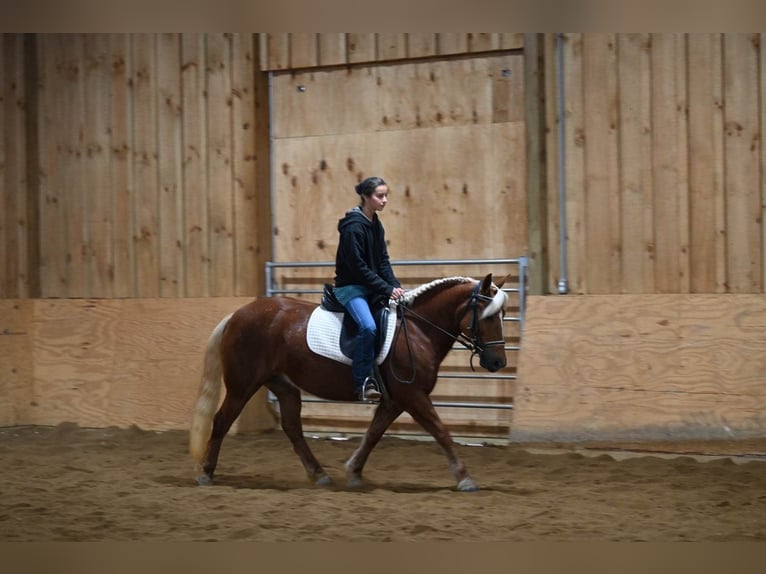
{"x": 522, "y": 263}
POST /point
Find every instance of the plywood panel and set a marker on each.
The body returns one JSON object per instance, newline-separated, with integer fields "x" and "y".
{"x": 641, "y": 367}
{"x": 444, "y": 205}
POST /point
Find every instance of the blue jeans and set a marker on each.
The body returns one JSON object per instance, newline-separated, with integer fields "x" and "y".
{"x": 364, "y": 352}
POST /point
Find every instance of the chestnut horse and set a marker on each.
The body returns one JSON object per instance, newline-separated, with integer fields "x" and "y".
{"x": 263, "y": 344}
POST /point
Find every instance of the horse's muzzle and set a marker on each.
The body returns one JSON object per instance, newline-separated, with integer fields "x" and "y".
{"x": 492, "y": 362}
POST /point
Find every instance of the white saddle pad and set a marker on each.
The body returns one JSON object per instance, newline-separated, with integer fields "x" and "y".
{"x": 323, "y": 334}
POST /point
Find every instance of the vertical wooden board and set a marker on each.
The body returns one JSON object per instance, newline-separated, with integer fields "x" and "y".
{"x": 146, "y": 205}
{"x": 16, "y": 363}
{"x": 73, "y": 167}
{"x": 74, "y": 360}
{"x": 53, "y": 273}
{"x": 635, "y": 163}
{"x": 391, "y": 45}
{"x": 332, "y": 48}
{"x": 507, "y": 77}
{"x": 276, "y": 52}
{"x": 742, "y": 148}
{"x": 14, "y": 271}
{"x": 219, "y": 145}
{"x": 483, "y": 41}
{"x": 97, "y": 183}
{"x": 762, "y": 96}
{"x": 577, "y": 255}
{"x": 602, "y": 203}
{"x": 361, "y": 48}
{"x": 244, "y": 166}
{"x": 421, "y": 45}
{"x": 666, "y": 161}
{"x": 451, "y": 43}
{"x": 511, "y": 40}
{"x": 194, "y": 166}
{"x": 705, "y": 166}
{"x": 121, "y": 164}
{"x": 169, "y": 157}
{"x": 552, "y": 143}
{"x": 303, "y": 49}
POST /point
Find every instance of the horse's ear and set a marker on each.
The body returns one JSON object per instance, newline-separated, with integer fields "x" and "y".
{"x": 502, "y": 281}
{"x": 486, "y": 284}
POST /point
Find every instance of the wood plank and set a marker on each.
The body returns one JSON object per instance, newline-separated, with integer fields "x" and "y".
{"x": 391, "y": 45}
{"x": 666, "y": 135}
{"x": 483, "y": 41}
{"x": 635, "y": 163}
{"x": 421, "y": 44}
{"x": 511, "y": 40}
{"x": 303, "y": 49}
{"x": 602, "y": 204}
{"x": 146, "y": 240}
{"x": 332, "y": 48}
{"x": 451, "y": 43}
{"x": 742, "y": 183}
{"x": 641, "y": 367}
{"x": 361, "y": 48}
{"x": 121, "y": 164}
{"x": 53, "y": 273}
{"x": 13, "y": 179}
{"x": 96, "y": 174}
{"x": 706, "y": 164}
{"x": 170, "y": 149}
{"x": 552, "y": 145}
{"x": 577, "y": 258}
{"x": 219, "y": 153}
{"x": 30, "y": 273}
{"x": 276, "y": 55}
{"x": 243, "y": 126}
{"x": 194, "y": 172}
{"x": 73, "y": 171}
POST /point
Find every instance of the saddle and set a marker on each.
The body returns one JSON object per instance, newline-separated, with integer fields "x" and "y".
{"x": 349, "y": 330}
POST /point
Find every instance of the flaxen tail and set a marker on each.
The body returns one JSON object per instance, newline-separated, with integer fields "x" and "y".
{"x": 209, "y": 394}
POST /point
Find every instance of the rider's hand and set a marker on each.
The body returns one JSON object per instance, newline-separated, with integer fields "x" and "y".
{"x": 397, "y": 293}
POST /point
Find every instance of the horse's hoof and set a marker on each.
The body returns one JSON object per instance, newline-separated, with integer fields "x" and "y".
{"x": 467, "y": 485}
{"x": 204, "y": 480}
{"x": 355, "y": 482}
{"x": 324, "y": 480}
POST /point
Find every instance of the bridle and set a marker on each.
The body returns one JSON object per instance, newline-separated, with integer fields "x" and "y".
{"x": 473, "y": 342}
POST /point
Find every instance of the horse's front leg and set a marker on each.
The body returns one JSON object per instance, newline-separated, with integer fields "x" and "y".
{"x": 385, "y": 414}
{"x": 422, "y": 410}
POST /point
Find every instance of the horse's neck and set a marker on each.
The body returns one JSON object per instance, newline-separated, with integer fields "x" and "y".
{"x": 440, "y": 309}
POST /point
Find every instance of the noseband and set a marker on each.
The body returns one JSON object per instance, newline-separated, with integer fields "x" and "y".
{"x": 473, "y": 343}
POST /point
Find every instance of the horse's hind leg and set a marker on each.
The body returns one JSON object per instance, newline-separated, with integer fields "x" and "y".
{"x": 230, "y": 409}
{"x": 290, "y": 417}
{"x": 424, "y": 413}
{"x": 385, "y": 414}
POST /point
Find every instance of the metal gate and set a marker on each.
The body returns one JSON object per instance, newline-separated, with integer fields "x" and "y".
{"x": 462, "y": 382}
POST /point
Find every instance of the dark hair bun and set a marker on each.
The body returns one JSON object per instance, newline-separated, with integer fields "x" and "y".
{"x": 369, "y": 185}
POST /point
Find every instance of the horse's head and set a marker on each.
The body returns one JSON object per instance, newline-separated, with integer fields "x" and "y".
{"x": 481, "y": 323}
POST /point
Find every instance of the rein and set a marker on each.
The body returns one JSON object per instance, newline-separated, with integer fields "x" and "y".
{"x": 473, "y": 344}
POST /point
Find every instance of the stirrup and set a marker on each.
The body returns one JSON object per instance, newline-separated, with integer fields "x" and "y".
{"x": 369, "y": 392}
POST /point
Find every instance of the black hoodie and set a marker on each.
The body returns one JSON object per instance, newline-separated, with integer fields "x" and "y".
{"x": 362, "y": 257}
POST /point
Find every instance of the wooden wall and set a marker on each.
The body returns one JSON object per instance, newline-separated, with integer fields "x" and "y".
{"x": 642, "y": 367}
{"x": 290, "y": 50}
{"x": 118, "y": 362}
{"x": 664, "y": 162}
{"x": 136, "y": 175}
